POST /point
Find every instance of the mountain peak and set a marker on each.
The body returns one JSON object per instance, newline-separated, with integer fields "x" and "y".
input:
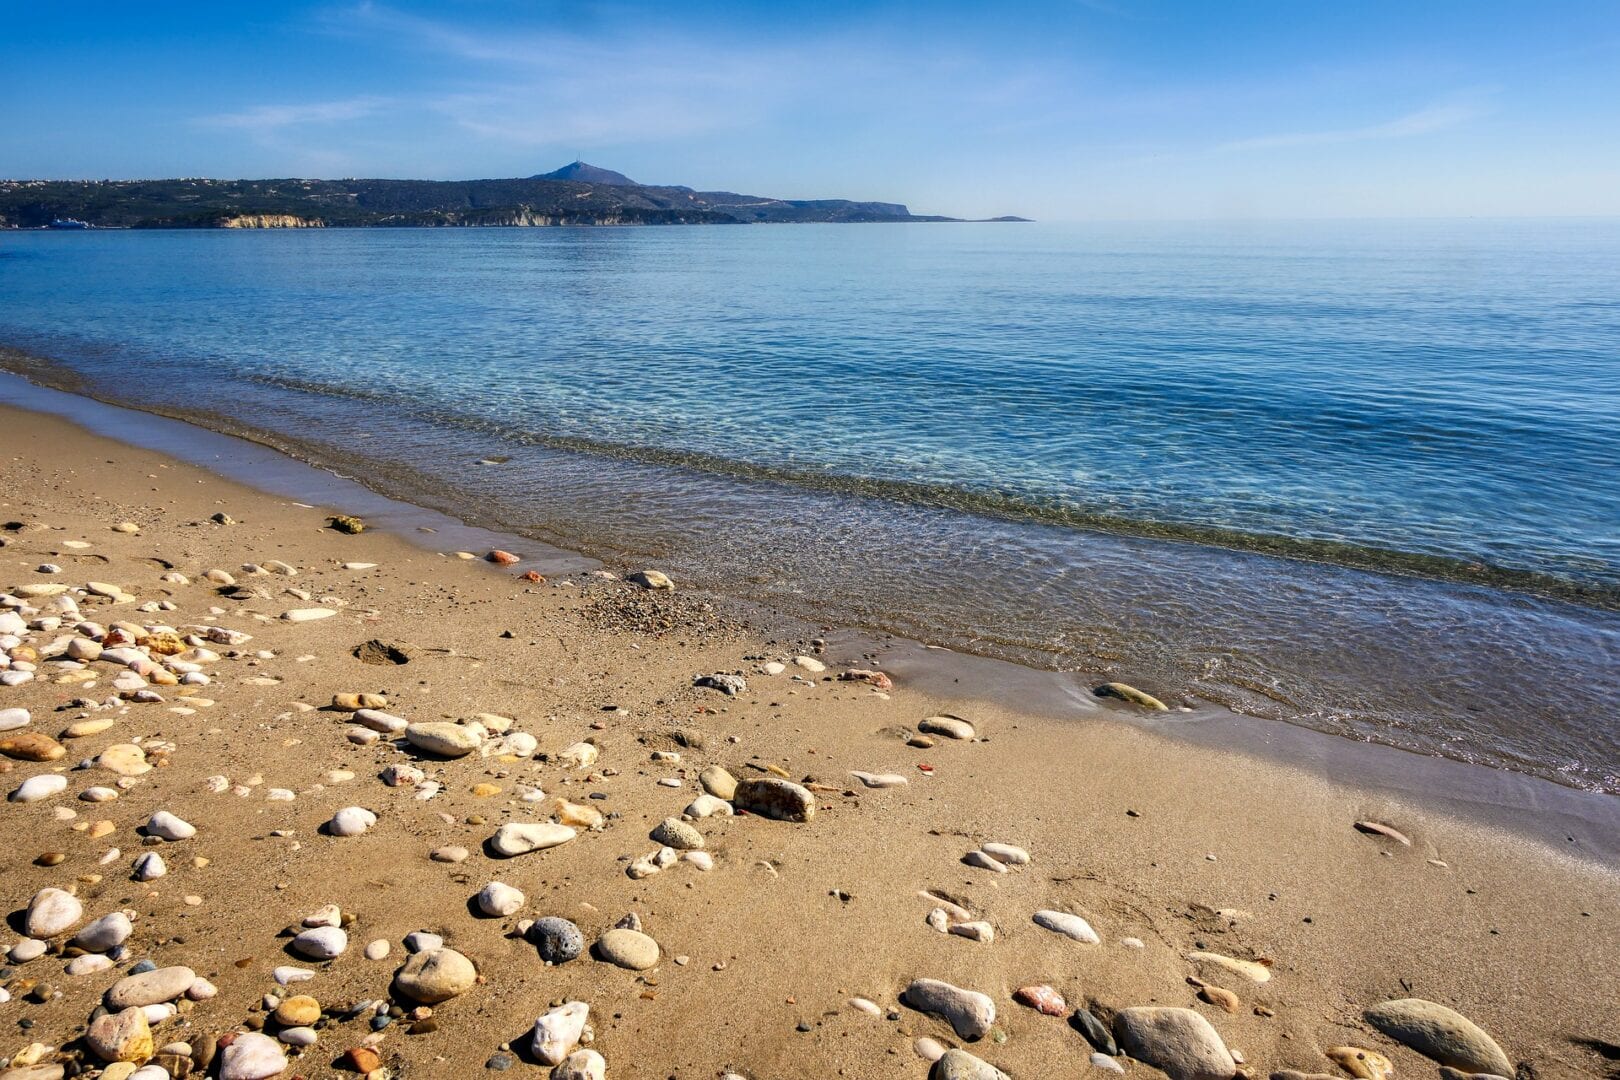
{"x": 581, "y": 173}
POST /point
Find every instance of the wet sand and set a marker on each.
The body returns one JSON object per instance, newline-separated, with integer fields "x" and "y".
{"x": 1183, "y": 845}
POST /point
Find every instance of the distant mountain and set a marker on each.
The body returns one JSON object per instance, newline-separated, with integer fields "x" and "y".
{"x": 576, "y": 194}
{"x": 587, "y": 174}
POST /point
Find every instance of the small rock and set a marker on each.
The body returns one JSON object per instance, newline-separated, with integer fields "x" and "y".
{"x": 1443, "y": 1034}
{"x": 969, "y": 1012}
{"x": 52, "y": 912}
{"x": 498, "y": 900}
{"x": 879, "y": 780}
{"x": 300, "y": 1010}
{"x": 435, "y": 976}
{"x": 301, "y": 615}
{"x": 956, "y": 1064}
{"x": 121, "y": 1036}
{"x": 1362, "y": 1064}
{"x": 1179, "y": 1042}
{"x": 39, "y": 787}
{"x": 1250, "y": 970}
{"x": 651, "y": 579}
{"x": 379, "y": 949}
{"x": 252, "y": 1056}
{"x": 166, "y": 826}
{"x": 775, "y": 798}
{"x": 729, "y": 685}
{"x": 628, "y": 949}
{"x": 321, "y": 943}
{"x": 443, "y": 738}
{"x": 298, "y": 1036}
{"x": 1042, "y": 998}
{"x": 557, "y": 1032}
{"x": 1006, "y": 853}
{"x": 951, "y": 727}
{"x": 1380, "y": 829}
{"x": 31, "y": 746}
{"x": 454, "y": 854}
{"x": 351, "y": 821}
{"x": 149, "y": 866}
{"x": 107, "y": 932}
{"x": 150, "y": 988}
{"x": 557, "y": 940}
{"x": 581, "y": 1065}
{"x": 1131, "y": 694}
{"x": 675, "y": 833}
{"x": 718, "y": 782}
{"x": 707, "y": 806}
{"x": 1095, "y": 1032}
{"x": 1070, "y": 926}
{"x": 1219, "y": 996}
{"x": 517, "y": 838}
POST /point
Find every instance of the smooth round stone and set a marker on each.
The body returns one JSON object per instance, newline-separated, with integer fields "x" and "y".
{"x": 1180, "y": 1042}
{"x": 707, "y": 806}
{"x": 422, "y": 941}
{"x": 379, "y": 721}
{"x": 13, "y": 718}
{"x": 308, "y": 614}
{"x": 1441, "y": 1033}
{"x": 379, "y": 949}
{"x": 518, "y": 838}
{"x": 628, "y": 949}
{"x": 774, "y": 798}
{"x": 675, "y": 833}
{"x": 1006, "y": 853}
{"x": 970, "y": 1013}
{"x": 52, "y": 912}
{"x": 25, "y": 950}
{"x": 498, "y": 899}
{"x": 351, "y": 821}
{"x": 167, "y": 826}
{"x": 326, "y": 915}
{"x": 298, "y": 1036}
{"x": 89, "y": 964}
{"x": 435, "y": 976}
{"x": 300, "y": 1010}
{"x": 105, "y": 933}
{"x": 951, "y": 727}
{"x": 321, "y": 943}
{"x": 98, "y": 794}
{"x": 150, "y": 988}
{"x": 39, "y": 787}
{"x": 252, "y": 1056}
{"x": 443, "y": 738}
{"x": 452, "y": 854}
{"x": 957, "y": 1064}
{"x": 201, "y": 990}
{"x": 557, "y": 940}
{"x": 286, "y": 975}
{"x": 1070, "y": 926}
{"x": 718, "y": 782}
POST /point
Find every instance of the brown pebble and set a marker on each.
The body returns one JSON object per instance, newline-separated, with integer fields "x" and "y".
{"x": 1216, "y": 995}
{"x": 50, "y": 858}
{"x": 362, "y": 1059}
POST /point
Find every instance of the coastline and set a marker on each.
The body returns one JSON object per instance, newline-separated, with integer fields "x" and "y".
{"x": 1148, "y": 833}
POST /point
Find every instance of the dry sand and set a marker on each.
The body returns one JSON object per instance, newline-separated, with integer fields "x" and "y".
{"x": 1180, "y": 846}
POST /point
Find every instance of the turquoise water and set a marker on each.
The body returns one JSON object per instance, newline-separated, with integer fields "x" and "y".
{"x": 1075, "y": 433}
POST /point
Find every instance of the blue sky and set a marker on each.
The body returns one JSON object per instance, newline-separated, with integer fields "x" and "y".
{"x": 1069, "y": 110}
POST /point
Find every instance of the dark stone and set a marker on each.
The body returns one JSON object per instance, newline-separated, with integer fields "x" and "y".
{"x": 500, "y": 1062}
{"x": 558, "y": 940}
{"x": 1095, "y": 1032}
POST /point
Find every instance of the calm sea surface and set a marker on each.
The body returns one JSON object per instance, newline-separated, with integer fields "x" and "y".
{"x": 1360, "y": 476}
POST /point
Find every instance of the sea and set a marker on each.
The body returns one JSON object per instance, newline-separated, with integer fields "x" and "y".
{"x": 1358, "y": 476}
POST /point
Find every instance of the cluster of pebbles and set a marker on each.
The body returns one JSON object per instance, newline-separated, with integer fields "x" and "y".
{"x": 108, "y": 654}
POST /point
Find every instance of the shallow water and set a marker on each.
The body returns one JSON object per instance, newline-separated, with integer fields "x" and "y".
{"x": 1002, "y": 438}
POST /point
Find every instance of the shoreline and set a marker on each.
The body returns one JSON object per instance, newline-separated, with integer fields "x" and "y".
{"x": 1565, "y": 818}
{"x": 1176, "y": 846}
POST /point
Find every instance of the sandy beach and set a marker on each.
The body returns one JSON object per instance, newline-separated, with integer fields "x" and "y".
{"x": 1229, "y": 885}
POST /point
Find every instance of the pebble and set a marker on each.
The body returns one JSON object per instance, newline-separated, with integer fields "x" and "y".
{"x": 107, "y": 932}
{"x": 453, "y": 854}
{"x": 981, "y": 861}
{"x": 1363, "y": 1064}
{"x": 580, "y": 755}
{"x": 951, "y": 727}
{"x": 286, "y": 975}
{"x": 321, "y": 943}
{"x": 325, "y": 915}
{"x": 1440, "y": 1033}
{"x": 871, "y": 1008}
{"x": 31, "y": 746}
{"x": 1006, "y": 853}
{"x": 252, "y": 1056}
{"x": 700, "y": 859}
{"x": 718, "y": 782}
{"x": 443, "y": 738}
{"x": 435, "y": 975}
{"x": 421, "y": 941}
{"x": 581, "y": 1065}
{"x": 727, "y": 684}
{"x": 39, "y": 787}
{"x": 557, "y": 1032}
{"x": 628, "y": 949}
{"x": 166, "y": 826}
{"x": 557, "y": 940}
{"x": 351, "y": 821}
{"x": 1070, "y": 926}
{"x": 149, "y": 866}
{"x": 11, "y": 719}
{"x": 380, "y": 721}
{"x": 89, "y": 964}
{"x": 150, "y": 987}
{"x": 1102, "y": 1061}
{"x": 1247, "y": 968}
{"x": 300, "y": 1010}
{"x": 1128, "y": 693}
{"x": 122, "y": 1036}
{"x": 880, "y": 780}
{"x": 379, "y": 949}
{"x": 957, "y": 1064}
{"x": 403, "y": 776}
{"x": 1042, "y": 998}
{"x": 976, "y": 930}
{"x": 707, "y": 806}
{"x": 775, "y": 798}
{"x": 675, "y": 833}
{"x": 498, "y": 900}
{"x": 516, "y": 838}
{"x": 969, "y": 1012}
{"x": 52, "y": 912}
{"x": 298, "y": 1036}
{"x": 1180, "y": 1042}
{"x": 1219, "y": 996}
{"x": 308, "y": 614}
{"x": 651, "y": 579}
{"x": 98, "y": 794}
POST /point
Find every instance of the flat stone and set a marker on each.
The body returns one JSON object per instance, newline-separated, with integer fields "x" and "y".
{"x": 628, "y": 949}
{"x": 557, "y": 940}
{"x": 308, "y": 614}
{"x": 351, "y": 821}
{"x": 321, "y": 943}
{"x": 167, "y": 826}
{"x": 451, "y": 854}
{"x": 650, "y": 579}
{"x": 378, "y": 949}
{"x": 252, "y": 1056}
{"x": 1042, "y": 998}
{"x": 879, "y": 780}
{"x": 969, "y": 1012}
{"x": 1006, "y": 853}
{"x": 31, "y": 746}
{"x": 39, "y": 787}
{"x": 1095, "y": 1032}
{"x": 443, "y": 738}
{"x": 727, "y": 684}
{"x": 11, "y": 719}
{"x": 1250, "y": 970}
{"x": 518, "y": 838}
{"x": 707, "y": 806}
{"x": 1443, "y": 1034}
{"x": 1070, "y": 926}
{"x": 1126, "y": 692}
{"x": 951, "y": 727}
{"x": 497, "y": 899}
{"x": 150, "y": 988}
{"x": 675, "y": 833}
{"x": 1180, "y": 1042}
{"x": 718, "y": 782}
{"x": 125, "y": 759}
{"x": 298, "y": 1036}
{"x": 557, "y": 1032}
{"x": 122, "y": 1036}
{"x": 958, "y": 1064}
{"x": 436, "y": 975}
{"x": 52, "y": 912}
{"x": 774, "y": 798}
{"x": 300, "y": 1010}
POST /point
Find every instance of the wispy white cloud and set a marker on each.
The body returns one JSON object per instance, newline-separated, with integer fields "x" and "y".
{"x": 1422, "y": 122}
{"x": 263, "y": 118}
